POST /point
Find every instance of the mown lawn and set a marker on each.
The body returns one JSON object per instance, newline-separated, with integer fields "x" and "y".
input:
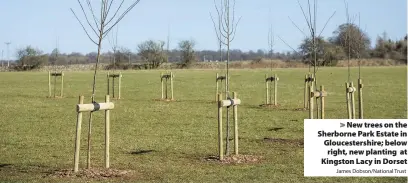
{"x": 171, "y": 141}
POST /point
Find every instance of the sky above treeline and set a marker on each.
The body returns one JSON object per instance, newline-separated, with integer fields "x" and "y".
{"x": 41, "y": 23}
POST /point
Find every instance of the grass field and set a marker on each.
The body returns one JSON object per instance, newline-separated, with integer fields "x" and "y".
{"x": 171, "y": 141}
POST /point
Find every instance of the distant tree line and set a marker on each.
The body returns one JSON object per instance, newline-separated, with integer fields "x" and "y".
{"x": 347, "y": 41}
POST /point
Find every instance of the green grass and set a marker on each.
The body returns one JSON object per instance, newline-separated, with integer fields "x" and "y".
{"x": 37, "y": 133}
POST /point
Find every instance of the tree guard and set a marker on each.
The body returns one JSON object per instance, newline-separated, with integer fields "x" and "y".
{"x": 113, "y": 76}
{"x": 93, "y": 107}
{"x": 103, "y": 26}
{"x": 350, "y": 102}
{"x": 234, "y": 102}
{"x": 269, "y": 82}
{"x": 55, "y": 75}
{"x": 309, "y": 82}
{"x": 360, "y": 98}
{"x": 351, "y": 108}
{"x": 166, "y": 80}
{"x": 319, "y": 96}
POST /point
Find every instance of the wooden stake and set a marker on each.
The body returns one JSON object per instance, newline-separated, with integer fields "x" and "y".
{"x": 235, "y": 113}
{"x": 55, "y": 86}
{"x": 305, "y": 95}
{"x": 107, "y": 76}
{"x": 220, "y": 136}
{"x": 49, "y": 84}
{"x": 310, "y": 102}
{"x": 162, "y": 88}
{"x": 348, "y": 101}
{"x": 107, "y": 131}
{"x": 276, "y": 90}
{"x": 360, "y": 99}
{"x": 353, "y": 106}
{"x": 166, "y": 87}
{"x": 318, "y": 106}
{"x": 312, "y": 82}
{"x": 113, "y": 87}
{"x": 120, "y": 83}
{"x": 88, "y": 161}
{"x": 267, "y": 89}
{"x": 62, "y": 84}
{"x": 322, "y": 103}
{"x": 171, "y": 85}
{"x": 216, "y": 87}
{"x": 78, "y": 136}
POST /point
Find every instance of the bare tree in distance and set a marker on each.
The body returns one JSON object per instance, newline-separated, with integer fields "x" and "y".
{"x": 187, "y": 52}
{"x": 100, "y": 28}
{"x": 227, "y": 26}
{"x": 113, "y": 41}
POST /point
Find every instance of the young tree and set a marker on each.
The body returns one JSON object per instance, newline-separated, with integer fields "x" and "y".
{"x": 188, "y": 56}
{"x": 226, "y": 31}
{"x": 100, "y": 28}
{"x": 123, "y": 55}
{"x": 31, "y": 58}
{"x": 351, "y": 38}
{"x": 152, "y": 52}
{"x": 53, "y": 58}
{"x": 113, "y": 41}
{"x": 326, "y": 52}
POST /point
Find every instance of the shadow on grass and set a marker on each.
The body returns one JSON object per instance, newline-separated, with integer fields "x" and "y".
{"x": 285, "y": 142}
{"x": 272, "y": 107}
{"x": 142, "y": 152}
{"x": 275, "y": 129}
{"x": 4, "y": 165}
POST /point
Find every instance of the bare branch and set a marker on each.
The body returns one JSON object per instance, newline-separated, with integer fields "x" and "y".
{"x": 310, "y": 16}
{"x": 225, "y": 27}
{"x": 216, "y": 32}
{"x": 234, "y": 29}
{"x": 121, "y": 17}
{"x": 287, "y": 44}
{"x": 326, "y": 23}
{"x": 108, "y": 10}
{"x": 297, "y": 27}
{"x": 93, "y": 14}
{"x": 83, "y": 27}
{"x": 86, "y": 17}
{"x": 220, "y": 22}
{"x": 233, "y": 17}
{"x": 114, "y": 42}
{"x": 105, "y": 7}
{"x": 114, "y": 15}
{"x": 304, "y": 15}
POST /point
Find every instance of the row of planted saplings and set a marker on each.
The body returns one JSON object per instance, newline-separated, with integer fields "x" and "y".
{"x": 271, "y": 86}
{"x": 310, "y": 92}
{"x": 108, "y": 105}
{"x": 313, "y": 97}
{"x": 53, "y": 76}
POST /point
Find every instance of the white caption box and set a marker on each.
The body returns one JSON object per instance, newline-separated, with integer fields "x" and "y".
{"x": 361, "y": 151}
